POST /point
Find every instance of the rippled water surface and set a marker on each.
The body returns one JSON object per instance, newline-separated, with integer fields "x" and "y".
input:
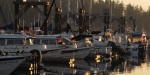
{"x": 129, "y": 65}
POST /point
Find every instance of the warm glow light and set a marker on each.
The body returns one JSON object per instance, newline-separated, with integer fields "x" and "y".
{"x": 31, "y": 72}
{"x": 24, "y": 0}
{"x": 87, "y": 73}
{"x": 98, "y": 56}
{"x": 97, "y": 61}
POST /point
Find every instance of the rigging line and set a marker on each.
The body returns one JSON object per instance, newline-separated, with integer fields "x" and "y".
{"x": 90, "y": 11}
{"x": 77, "y": 6}
{"x": 73, "y": 6}
{"x": 3, "y": 16}
{"x": 60, "y": 3}
{"x": 39, "y": 15}
{"x": 68, "y": 10}
{"x": 80, "y": 4}
{"x": 11, "y": 12}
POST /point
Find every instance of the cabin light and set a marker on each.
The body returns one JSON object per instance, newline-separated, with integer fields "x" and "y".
{"x": 24, "y": 0}
{"x": 45, "y": 47}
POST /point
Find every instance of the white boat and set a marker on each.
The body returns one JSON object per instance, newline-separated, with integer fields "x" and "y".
{"x": 43, "y": 46}
{"x": 20, "y": 43}
{"x": 9, "y": 63}
{"x": 61, "y": 50}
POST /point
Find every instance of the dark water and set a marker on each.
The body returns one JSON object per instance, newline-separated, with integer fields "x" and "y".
{"x": 128, "y": 65}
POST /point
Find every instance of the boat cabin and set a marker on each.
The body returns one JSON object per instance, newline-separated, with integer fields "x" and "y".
{"x": 13, "y": 39}
{"x": 138, "y": 37}
{"x": 51, "y": 40}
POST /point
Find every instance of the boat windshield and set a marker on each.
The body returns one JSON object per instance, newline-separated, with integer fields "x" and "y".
{"x": 66, "y": 41}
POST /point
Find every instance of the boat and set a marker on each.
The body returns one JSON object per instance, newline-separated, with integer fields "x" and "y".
{"x": 62, "y": 47}
{"x": 9, "y": 63}
{"x": 43, "y": 47}
{"x": 20, "y": 43}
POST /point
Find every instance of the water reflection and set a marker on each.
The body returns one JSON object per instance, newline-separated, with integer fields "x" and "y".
{"x": 129, "y": 65}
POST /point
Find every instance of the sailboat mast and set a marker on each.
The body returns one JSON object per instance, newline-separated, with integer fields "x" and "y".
{"x": 77, "y": 7}
{"x": 60, "y": 2}
{"x": 39, "y": 16}
{"x": 110, "y": 14}
{"x": 68, "y": 10}
{"x": 90, "y": 10}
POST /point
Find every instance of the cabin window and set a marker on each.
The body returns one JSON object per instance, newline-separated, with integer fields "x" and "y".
{"x": 49, "y": 42}
{"x": 2, "y": 41}
{"x": 52, "y": 42}
{"x": 10, "y": 42}
{"x": 44, "y": 41}
{"x": 36, "y": 41}
{"x": 18, "y": 41}
{"x": 11, "y": 61}
{"x": 14, "y": 41}
{"x": 28, "y": 42}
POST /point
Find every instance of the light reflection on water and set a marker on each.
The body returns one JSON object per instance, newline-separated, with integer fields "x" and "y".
{"x": 128, "y": 66}
{"x": 143, "y": 69}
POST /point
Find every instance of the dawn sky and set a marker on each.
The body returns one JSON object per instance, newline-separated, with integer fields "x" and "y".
{"x": 143, "y": 3}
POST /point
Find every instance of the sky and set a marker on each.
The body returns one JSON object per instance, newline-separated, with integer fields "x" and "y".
{"x": 143, "y": 3}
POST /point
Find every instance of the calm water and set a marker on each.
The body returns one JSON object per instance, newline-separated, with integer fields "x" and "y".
{"x": 130, "y": 65}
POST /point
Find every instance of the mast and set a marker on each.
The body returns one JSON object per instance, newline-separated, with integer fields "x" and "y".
{"x": 90, "y": 11}
{"x": 68, "y": 10}
{"x": 110, "y": 15}
{"x": 77, "y": 7}
{"x": 60, "y": 2}
{"x": 3, "y": 16}
{"x": 39, "y": 16}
